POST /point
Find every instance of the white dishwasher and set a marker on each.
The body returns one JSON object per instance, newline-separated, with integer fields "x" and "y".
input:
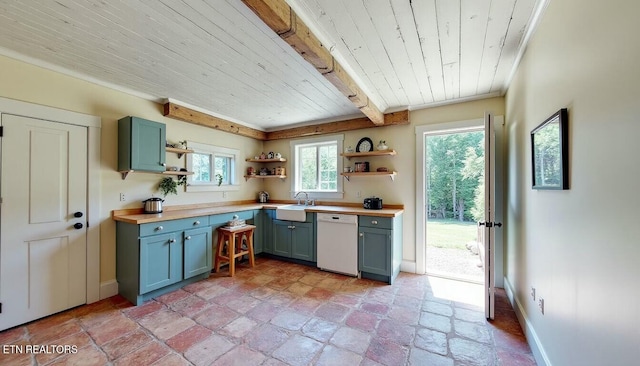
{"x": 337, "y": 243}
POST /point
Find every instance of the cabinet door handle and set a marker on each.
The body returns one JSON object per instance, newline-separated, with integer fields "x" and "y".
{"x": 293, "y": 227}
{"x": 172, "y": 240}
{"x": 197, "y": 222}
{"x": 188, "y": 237}
{"x": 159, "y": 228}
{"x": 163, "y": 164}
{"x": 374, "y": 222}
{"x": 361, "y": 234}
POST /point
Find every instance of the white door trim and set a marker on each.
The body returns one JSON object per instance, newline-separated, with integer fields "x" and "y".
{"x": 421, "y": 131}
{"x": 93, "y": 124}
{"x": 445, "y": 128}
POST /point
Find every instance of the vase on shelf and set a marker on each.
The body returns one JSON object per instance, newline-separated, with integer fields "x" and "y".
{"x": 382, "y": 145}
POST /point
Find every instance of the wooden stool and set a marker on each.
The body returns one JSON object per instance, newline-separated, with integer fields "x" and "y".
{"x": 234, "y": 236}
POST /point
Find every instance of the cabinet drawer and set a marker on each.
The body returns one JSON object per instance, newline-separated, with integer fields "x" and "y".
{"x": 162, "y": 227}
{"x": 378, "y": 222}
{"x": 222, "y": 219}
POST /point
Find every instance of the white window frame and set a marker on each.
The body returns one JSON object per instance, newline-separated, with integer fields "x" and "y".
{"x": 339, "y": 139}
{"x": 234, "y": 178}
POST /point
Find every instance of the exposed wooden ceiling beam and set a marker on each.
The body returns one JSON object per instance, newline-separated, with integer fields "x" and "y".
{"x": 390, "y": 119}
{"x": 284, "y": 21}
{"x": 185, "y": 114}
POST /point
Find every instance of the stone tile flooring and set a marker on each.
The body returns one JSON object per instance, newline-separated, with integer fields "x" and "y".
{"x": 280, "y": 313}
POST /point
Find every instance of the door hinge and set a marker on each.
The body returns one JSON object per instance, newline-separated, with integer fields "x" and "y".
{"x": 1, "y": 131}
{"x": 0, "y": 308}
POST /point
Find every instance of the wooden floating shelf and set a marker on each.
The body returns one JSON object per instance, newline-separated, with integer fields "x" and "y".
{"x": 247, "y": 177}
{"x": 391, "y": 175}
{"x": 280, "y": 160}
{"x": 167, "y": 172}
{"x": 180, "y": 152}
{"x": 369, "y": 153}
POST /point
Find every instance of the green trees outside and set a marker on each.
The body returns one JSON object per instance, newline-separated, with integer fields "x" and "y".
{"x": 455, "y": 176}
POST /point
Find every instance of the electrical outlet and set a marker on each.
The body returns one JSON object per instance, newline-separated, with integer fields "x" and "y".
{"x": 224, "y": 194}
{"x": 533, "y": 293}
{"x": 122, "y": 198}
{"x": 541, "y": 305}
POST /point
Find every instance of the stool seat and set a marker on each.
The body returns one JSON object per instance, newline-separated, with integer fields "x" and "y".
{"x": 234, "y": 236}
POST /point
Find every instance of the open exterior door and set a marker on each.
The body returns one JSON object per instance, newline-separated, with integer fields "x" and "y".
{"x": 489, "y": 215}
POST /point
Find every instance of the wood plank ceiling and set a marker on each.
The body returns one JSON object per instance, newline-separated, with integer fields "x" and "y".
{"x": 219, "y": 57}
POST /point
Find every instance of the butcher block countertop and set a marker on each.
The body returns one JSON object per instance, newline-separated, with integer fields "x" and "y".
{"x": 136, "y": 215}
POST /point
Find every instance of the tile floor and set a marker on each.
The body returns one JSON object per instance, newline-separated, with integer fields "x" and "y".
{"x": 283, "y": 314}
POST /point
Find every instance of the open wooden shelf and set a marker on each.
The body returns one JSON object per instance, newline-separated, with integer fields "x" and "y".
{"x": 389, "y": 152}
{"x": 391, "y": 175}
{"x": 247, "y": 177}
{"x": 178, "y": 151}
{"x": 280, "y": 160}
{"x": 167, "y": 172}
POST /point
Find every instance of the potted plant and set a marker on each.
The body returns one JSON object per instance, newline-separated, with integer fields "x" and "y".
{"x": 168, "y": 185}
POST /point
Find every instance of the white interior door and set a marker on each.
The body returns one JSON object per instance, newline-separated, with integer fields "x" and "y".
{"x": 489, "y": 215}
{"x": 43, "y": 236}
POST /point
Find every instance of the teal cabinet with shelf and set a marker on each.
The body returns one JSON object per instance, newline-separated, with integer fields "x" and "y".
{"x": 141, "y": 145}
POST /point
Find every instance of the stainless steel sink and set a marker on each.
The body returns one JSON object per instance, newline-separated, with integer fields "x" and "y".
{"x": 291, "y": 213}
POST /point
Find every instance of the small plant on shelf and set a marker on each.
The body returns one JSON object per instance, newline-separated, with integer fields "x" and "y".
{"x": 219, "y": 179}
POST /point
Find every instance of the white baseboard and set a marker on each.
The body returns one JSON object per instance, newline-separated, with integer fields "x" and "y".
{"x": 532, "y": 338}
{"x": 108, "y": 289}
{"x": 407, "y": 266}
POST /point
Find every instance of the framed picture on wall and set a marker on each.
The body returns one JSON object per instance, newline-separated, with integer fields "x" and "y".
{"x": 549, "y": 152}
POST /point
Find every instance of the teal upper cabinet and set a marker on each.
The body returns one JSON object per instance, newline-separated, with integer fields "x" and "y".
{"x": 141, "y": 145}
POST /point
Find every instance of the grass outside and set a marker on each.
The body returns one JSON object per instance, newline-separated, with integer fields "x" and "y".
{"x": 452, "y": 234}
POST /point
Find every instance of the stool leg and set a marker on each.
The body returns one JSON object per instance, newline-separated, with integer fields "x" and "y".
{"x": 250, "y": 246}
{"x": 232, "y": 255}
{"x": 219, "y": 252}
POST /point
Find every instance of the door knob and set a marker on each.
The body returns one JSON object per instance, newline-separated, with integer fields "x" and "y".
{"x": 78, "y": 225}
{"x": 77, "y": 214}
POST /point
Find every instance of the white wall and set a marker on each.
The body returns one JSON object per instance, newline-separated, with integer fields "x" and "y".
{"x": 579, "y": 248}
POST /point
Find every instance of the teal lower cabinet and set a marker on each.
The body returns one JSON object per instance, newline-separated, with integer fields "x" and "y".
{"x": 198, "y": 253}
{"x": 292, "y": 239}
{"x": 282, "y": 238}
{"x": 303, "y": 242}
{"x": 259, "y": 219}
{"x": 268, "y": 231}
{"x": 380, "y": 247}
{"x": 160, "y": 261}
{"x": 156, "y": 258}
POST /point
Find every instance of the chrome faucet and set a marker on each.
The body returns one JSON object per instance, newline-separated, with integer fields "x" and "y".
{"x": 306, "y": 197}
